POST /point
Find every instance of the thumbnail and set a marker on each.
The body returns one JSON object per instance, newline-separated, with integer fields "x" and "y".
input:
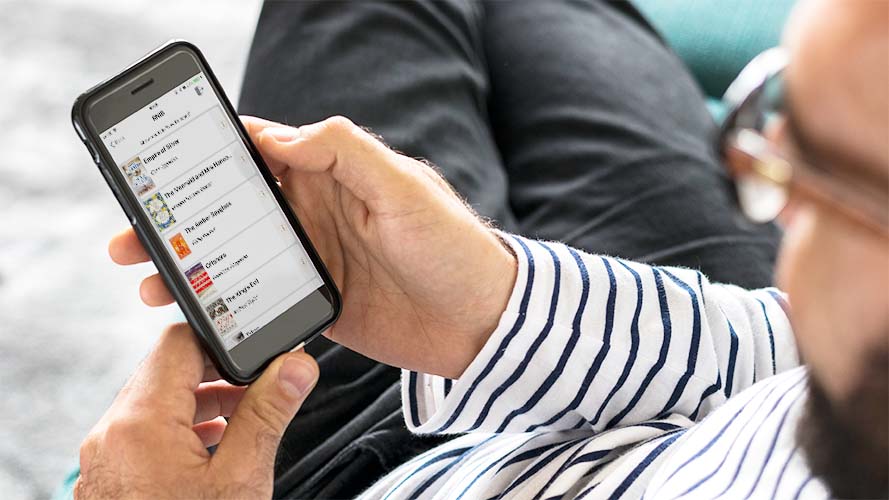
{"x": 221, "y": 316}
{"x": 159, "y": 212}
{"x": 180, "y": 245}
{"x": 139, "y": 180}
{"x": 200, "y": 281}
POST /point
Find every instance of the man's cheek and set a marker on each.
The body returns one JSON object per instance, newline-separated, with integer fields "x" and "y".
{"x": 817, "y": 271}
{"x": 797, "y": 274}
{"x": 796, "y": 254}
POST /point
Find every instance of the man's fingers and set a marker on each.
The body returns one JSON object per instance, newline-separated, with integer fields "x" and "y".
{"x": 357, "y": 160}
{"x": 153, "y": 291}
{"x": 254, "y": 126}
{"x": 210, "y": 373}
{"x": 268, "y": 406}
{"x": 216, "y": 399}
{"x": 210, "y": 431}
{"x": 167, "y": 379}
{"x": 125, "y": 248}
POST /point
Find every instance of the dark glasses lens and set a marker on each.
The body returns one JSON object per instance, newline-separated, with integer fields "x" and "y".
{"x": 755, "y": 97}
{"x": 763, "y": 106}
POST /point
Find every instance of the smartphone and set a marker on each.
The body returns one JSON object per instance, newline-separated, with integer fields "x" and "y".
{"x": 207, "y": 210}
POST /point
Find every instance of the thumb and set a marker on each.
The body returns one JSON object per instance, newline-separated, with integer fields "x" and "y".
{"x": 255, "y": 428}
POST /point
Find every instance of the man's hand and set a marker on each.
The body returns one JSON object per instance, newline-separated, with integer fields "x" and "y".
{"x": 424, "y": 280}
{"x": 152, "y": 442}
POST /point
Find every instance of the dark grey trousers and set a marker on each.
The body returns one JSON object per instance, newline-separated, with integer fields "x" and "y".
{"x": 564, "y": 120}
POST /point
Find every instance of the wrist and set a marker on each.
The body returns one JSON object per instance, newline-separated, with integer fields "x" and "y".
{"x": 501, "y": 270}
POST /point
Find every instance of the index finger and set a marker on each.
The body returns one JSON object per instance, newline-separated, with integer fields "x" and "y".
{"x": 166, "y": 380}
{"x": 125, "y": 248}
{"x": 357, "y": 160}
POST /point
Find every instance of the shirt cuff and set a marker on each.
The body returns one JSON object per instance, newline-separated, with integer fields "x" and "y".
{"x": 433, "y": 404}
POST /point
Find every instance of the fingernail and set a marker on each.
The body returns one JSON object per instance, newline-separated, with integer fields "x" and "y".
{"x": 282, "y": 134}
{"x": 296, "y": 377}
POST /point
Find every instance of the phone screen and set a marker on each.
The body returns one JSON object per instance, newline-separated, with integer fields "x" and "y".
{"x": 207, "y": 200}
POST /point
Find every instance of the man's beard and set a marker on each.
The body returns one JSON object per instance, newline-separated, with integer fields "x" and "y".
{"x": 846, "y": 443}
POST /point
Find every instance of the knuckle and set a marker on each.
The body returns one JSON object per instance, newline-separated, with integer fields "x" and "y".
{"x": 352, "y": 139}
{"x": 88, "y": 450}
{"x": 120, "y": 432}
{"x": 108, "y": 438}
{"x": 80, "y": 489}
{"x": 176, "y": 329}
{"x": 432, "y": 174}
{"x": 340, "y": 125}
{"x": 268, "y": 415}
{"x": 170, "y": 336}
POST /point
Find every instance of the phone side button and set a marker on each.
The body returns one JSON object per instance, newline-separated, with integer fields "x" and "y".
{"x": 118, "y": 195}
{"x": 107, "y": 177}
{"x": 95, "y": 154}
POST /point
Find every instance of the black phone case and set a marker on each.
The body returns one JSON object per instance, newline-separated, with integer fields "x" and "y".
{"x": 190, "y": 307}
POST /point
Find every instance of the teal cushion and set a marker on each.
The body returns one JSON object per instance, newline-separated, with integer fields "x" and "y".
{"x": 717, "y": 109}
{"x": 716, "y": 38}
{"x": 65, "y": 490}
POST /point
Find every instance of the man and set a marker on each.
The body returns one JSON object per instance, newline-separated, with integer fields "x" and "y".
{"x": 572, "y": 375}
{"x": 565, "y": 120}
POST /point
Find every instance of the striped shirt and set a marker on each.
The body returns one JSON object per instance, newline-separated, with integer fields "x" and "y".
{"x": 613, "y": 379}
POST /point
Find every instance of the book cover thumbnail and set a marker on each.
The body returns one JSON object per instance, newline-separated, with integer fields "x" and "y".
{"x": 221, "y": 316}
{"x": 139, "y": 179}
{"x": 200, "y": 281}
{"x": 159, "y": 212}
{"x": 180, "y": 246}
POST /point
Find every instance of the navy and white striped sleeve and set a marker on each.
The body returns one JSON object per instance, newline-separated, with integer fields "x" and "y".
{"x": 596, "y": 342}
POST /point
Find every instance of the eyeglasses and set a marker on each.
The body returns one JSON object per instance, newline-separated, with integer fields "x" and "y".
{"x": 765, "y": 174}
